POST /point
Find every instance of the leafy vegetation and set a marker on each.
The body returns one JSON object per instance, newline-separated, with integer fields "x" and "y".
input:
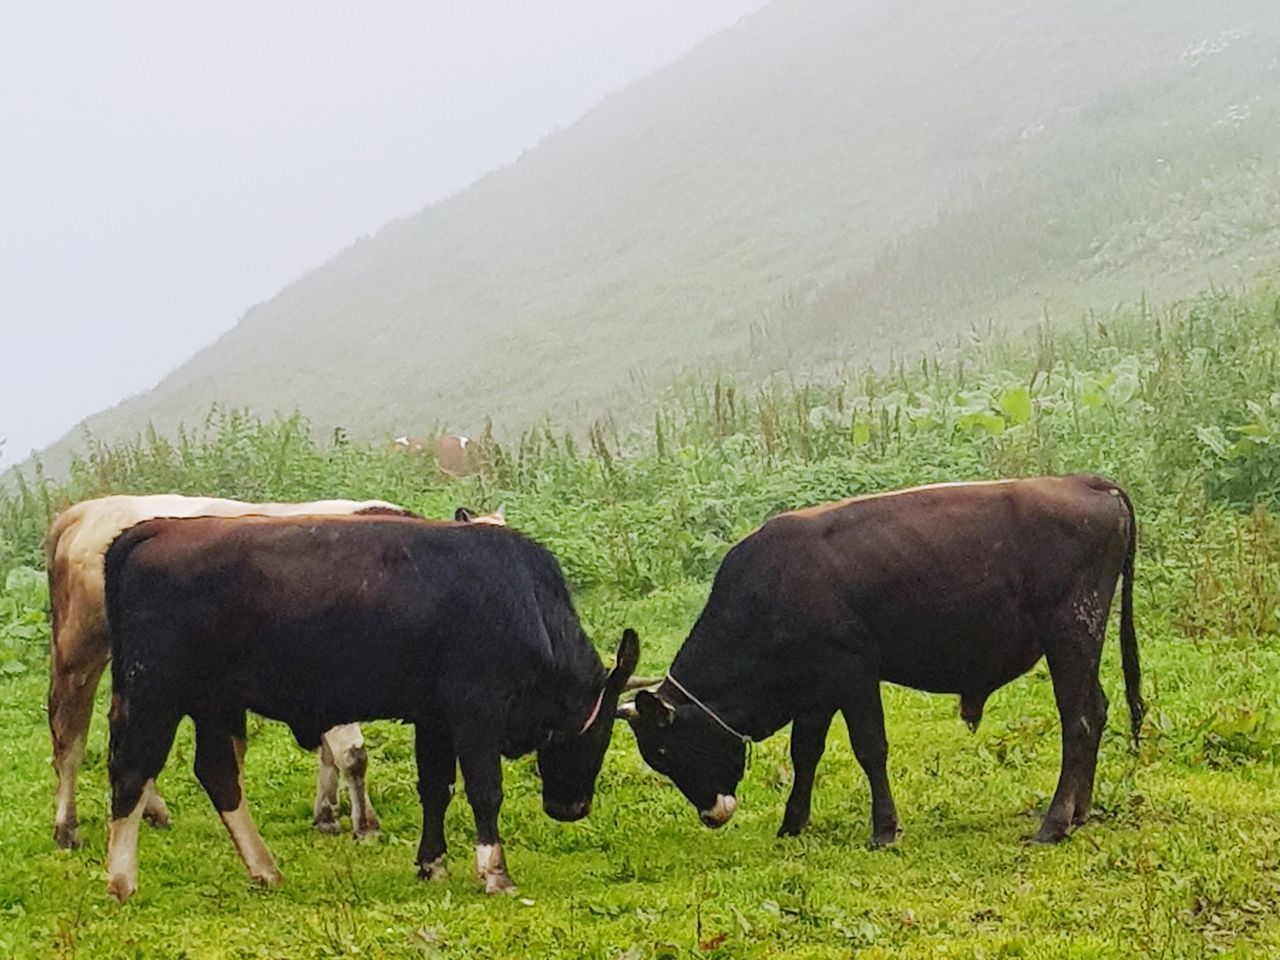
{"x": 849, "y": 176}
{"x": 1181, "y": 860}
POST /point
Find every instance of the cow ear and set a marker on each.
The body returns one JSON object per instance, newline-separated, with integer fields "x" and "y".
{"x": 463, "y": 515}
{"x": 654, "y": 709}
{"x": 625, "y": 663}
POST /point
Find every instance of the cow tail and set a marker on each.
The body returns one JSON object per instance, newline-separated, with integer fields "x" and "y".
{"x": 1128, "y": 637}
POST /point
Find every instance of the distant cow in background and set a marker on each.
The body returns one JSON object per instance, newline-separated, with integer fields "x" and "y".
{"x": 80, "y": 648}
{"x": 455, "y": 455}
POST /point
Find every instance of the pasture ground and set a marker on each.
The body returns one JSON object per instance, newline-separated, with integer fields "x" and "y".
{"x": 1181, "y": 859}
{"x": 1179, "y": 404}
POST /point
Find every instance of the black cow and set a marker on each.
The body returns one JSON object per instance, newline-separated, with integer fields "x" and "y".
{"x": 952, "y": 588}
{"x": 466, "y": 631}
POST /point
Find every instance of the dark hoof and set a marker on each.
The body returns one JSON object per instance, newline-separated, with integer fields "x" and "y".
{"x": 67, "y": 836}
{"x": 1050, "y": 834}
{"x": 370, "y": 829}
{"x": 159, "y": 819}
{"x": 435, "y": 870}
{"x": 885, "y": 838}
{"x": 329, "y": 827}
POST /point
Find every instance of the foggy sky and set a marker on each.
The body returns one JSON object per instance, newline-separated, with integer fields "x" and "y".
{"x": 165, "y": 166}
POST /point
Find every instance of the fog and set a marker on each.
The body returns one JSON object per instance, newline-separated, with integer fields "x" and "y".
{"x": 166, "y": 167}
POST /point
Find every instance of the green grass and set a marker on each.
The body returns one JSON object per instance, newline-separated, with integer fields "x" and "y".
{"x": 1181, "y": 859}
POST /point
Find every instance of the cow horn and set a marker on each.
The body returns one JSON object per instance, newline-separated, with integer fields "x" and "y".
{"x": 635, "y": 683}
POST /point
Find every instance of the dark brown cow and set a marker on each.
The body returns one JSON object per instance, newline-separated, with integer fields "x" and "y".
{"x": 952, "y": 588}
{"x": 79, "y": 647}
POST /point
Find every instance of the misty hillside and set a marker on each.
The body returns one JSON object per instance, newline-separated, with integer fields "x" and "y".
{"x": 822, "y": 178}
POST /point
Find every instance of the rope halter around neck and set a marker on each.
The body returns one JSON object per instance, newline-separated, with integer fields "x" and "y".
{"x": 741, "y": 737}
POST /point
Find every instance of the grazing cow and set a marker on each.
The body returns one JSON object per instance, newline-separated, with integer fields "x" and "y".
{"x": 79, "y": 647}
{"x": 952, "y": 588}
{"x": 452, "y": 454}
{"x": 466, "y": 631}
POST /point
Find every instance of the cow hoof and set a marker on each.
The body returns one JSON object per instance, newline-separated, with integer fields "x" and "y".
{"x": 789, "y": 829}
{"x": 330, "y": 828}
{"x": 499, "y": 883}
{"x": 270, "y": 878}
{"x": 157, "y": 818}
{"x": 370, "y": 828}
{"x": 436, "y": 871}
{"x": 122, "y": 887}
{"x": 67, "y": 836}
{"x": 1048, "y": 835}
{"x": 884, "y": 838}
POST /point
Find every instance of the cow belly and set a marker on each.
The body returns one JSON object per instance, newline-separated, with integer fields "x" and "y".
{"x": 311, "y": 697}
{"x": 970, "y": 652}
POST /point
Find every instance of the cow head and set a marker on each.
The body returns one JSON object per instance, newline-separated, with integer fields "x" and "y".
{"x": 496, "y": 519}
{"x": 570, "y": 764}
{"x": 703, "y": 759}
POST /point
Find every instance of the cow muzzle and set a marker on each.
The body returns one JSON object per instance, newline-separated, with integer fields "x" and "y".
{"x": 721, "y": 813}
{"x": 566, "y": 812}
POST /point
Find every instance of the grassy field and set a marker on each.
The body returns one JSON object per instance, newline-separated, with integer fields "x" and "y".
{"x": 1181, "y": 860}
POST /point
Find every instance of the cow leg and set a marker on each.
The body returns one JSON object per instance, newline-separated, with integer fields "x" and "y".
{"x": 70, "y": 709}
{"x": 1073, "y": 664}
{"x": 346, "y": 747}
{"x": 140, "y": 743}
{"x": 481, "y": 763}
{"x": 326, "y": 806}
{"x": 1097, "y": 711}
{"x": 808, "y": 741}
{"x": 220, "y": 744}
{"x": 437, "y": 768}
{"x": 156, "y": 811}
{"x": 864, "y": 713}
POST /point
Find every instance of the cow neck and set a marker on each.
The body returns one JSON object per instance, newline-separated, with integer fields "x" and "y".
{"x": 736, "y": 692}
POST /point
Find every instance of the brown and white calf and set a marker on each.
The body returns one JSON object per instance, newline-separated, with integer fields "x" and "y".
{"x": 454, "y": 455}
{"x": 80, "y": 647}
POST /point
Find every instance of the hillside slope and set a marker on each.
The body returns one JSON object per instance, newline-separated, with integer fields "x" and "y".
{"x": 820, "y": 171}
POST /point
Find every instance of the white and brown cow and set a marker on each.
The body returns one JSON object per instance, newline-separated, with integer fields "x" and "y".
{"x": 454, "y": 455}
{"x": 80, "y": 647}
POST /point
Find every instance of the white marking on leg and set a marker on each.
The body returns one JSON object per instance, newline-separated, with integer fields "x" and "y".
{"x": 326, "y": 805}
{"x": 346, "y": 742}
{"x": 253, "y": 851}
{"x": 156, "y": 812}
{"x": 122, "y": 851}
{"x": 491, "y": 865}
{"x": 244, "y": 833}
{"x": 65, "y": 821}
